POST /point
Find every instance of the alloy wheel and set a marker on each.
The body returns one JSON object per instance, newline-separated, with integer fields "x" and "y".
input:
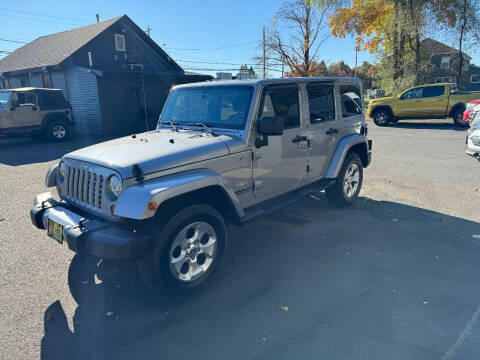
{"x": 193, "y": 251}
{"x": 351, "y": 180}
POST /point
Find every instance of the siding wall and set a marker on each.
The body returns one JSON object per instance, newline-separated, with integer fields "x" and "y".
{"x": 14, "y": 82}
{"x": 58, "y": 81}
{"x": 35, "y": 80}
{"x": 82, "y": 94}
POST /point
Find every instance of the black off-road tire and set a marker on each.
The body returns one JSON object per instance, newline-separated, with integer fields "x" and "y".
{"x": 336, "y": 194}
{"x": 382, "y": 117}
{"x": 458, "y": 118}
{"x": 155, "y": 268}
{"x": 57, "y": 130}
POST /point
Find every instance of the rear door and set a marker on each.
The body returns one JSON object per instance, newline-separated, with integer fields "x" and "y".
{"x": 435, "y": 101}
{"x": 26, "y": 111}
{"x": 281, "y": 165}
{"x": 322, "y": 127}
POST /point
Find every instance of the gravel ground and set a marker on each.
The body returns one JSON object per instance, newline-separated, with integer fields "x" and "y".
{"x": 394, "y": 277}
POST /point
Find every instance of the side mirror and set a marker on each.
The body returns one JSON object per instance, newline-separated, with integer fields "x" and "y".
{"x": 271, "y": 125}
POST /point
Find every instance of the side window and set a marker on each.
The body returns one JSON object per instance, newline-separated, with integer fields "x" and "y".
{"x": 26, "y": 99}
{"x": 433, "y": 91}
{"x": 321, "y": 102}
{"x": 413, "y": 94}
{"x": 350, "y": 97}
{"x": 281, "y": 101}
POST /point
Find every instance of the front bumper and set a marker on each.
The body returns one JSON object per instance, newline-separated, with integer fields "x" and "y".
{"x": 89, "y": 235}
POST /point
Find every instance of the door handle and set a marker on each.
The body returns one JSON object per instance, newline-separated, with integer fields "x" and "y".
{"x": 332, "y": 131}
{"x": 299, "y": 138}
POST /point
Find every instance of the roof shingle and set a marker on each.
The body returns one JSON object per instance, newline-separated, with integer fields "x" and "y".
{"x": 52, "y": 49}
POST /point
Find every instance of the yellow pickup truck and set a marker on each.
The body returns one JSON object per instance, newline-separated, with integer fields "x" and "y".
{"x": 431, "y": 101}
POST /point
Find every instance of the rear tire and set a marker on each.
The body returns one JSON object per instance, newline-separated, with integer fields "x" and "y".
{"x": 348, "y": 183}
{"x": 187, "y": 251}
{"x": 57, "y": 131}
{"x": 381, "y": 117}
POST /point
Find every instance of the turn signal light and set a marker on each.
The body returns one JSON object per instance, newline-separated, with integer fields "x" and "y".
{"x": 152, "y": 206}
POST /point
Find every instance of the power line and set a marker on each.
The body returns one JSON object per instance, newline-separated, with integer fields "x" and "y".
{"x": 14, "y": 41}
{"x": 215, "y": 48}
{"x": 15, "y": 11}
{"x": 219, "y": 63}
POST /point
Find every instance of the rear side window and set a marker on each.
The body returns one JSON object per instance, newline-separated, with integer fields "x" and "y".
{"x": 281, "y": 101}
{"x": 25, "y": 99}
{"x": 51, "y": 100}
{"x": 432, "y": 91}
{"x": 350, "y": 97}
{"x": 321, "y": 102}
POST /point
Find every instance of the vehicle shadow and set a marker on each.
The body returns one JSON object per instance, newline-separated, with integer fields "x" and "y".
{"x": 413, "y": 124}
{"x": 376, "y": 281}
{"x": 29, "y": 150}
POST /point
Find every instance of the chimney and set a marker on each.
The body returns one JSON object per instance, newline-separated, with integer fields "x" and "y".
{"x": 98, "y": 17}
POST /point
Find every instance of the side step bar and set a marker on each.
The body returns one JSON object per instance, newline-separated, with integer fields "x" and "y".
{"x": 272, "y": 205}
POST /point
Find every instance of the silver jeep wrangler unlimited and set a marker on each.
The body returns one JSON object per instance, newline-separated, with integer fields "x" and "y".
{"x": 223, "y": 152}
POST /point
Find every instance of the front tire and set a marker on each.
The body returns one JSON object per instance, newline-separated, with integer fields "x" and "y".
{"x": 382, "y": 117}
{"x": 187, "y": 251}
{"x": 458, "y": 118}
{"x": 348, "y": 184}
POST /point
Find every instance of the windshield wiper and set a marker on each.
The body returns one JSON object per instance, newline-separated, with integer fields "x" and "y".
{"x": 206, "y": 127}
{"x": 171, "y": 123}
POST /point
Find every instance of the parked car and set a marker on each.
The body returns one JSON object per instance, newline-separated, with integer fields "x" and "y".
{"x": 223, "y": 152}
{"x": 469, "y": 109}
{"x": 431, "y": 101}
{"x": 35, "y": 111}
{"x": 473, "y": 133}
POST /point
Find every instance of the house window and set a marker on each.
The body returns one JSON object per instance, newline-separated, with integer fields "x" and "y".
{"x": 24, "y": 80}
{"x": 475, "y": 79}
{"x": 443, "y": 79}
{"x": 47, "y": 83}
{"x": 466, "y": 65}
{"x": 119, "y": 42}
{"x": 445, "y": 62}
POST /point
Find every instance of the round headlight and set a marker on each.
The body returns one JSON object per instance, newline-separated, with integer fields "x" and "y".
{"x": 62, "y": 172}
{"x": 115, "y": 185}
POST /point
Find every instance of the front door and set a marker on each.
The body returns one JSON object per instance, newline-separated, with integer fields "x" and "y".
{"x": 322, "y": 127}
{"x": 25, "y": 112}
{"x": 280, "y": 166}
{"x": 410, "y": 103}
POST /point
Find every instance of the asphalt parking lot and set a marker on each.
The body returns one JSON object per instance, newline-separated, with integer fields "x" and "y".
{"x": 394, "y": 277}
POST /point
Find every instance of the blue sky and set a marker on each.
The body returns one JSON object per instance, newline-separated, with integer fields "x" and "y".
{"x": 176, "y": 25}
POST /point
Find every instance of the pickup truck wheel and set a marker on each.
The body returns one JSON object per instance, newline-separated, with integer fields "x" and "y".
{"x": 458, "y": 118}
{"x": 381, "y": 117}
{"x": 188, "y": 249}
{"x": 348, "y": 184}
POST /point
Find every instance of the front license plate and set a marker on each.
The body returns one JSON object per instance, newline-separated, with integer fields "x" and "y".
{"x": 55, "y": 231}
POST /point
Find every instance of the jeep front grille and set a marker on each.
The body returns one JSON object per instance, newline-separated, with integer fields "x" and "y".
{"x": 85, "y": 186}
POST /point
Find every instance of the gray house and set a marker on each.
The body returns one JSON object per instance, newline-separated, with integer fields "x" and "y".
{"x": 445, "y": 62}
{"x": 108, "y": 71}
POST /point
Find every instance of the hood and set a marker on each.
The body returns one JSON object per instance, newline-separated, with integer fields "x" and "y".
{"x": 157, "y": 150}
{"x": 383, "y": 99}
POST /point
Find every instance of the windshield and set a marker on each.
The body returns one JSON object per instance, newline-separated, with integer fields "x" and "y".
{"x": 4, "y": 96}
{"x": 219, "y": 107}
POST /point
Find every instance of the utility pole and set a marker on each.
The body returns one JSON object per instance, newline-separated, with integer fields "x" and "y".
{"x": 283, "y": 63}
{"x": 264, "y": 56}
{"x": 356, "y": 56}
{"x": 148, "y": 30}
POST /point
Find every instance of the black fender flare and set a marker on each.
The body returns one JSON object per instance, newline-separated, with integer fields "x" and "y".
{"x": 59, "y": 116}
